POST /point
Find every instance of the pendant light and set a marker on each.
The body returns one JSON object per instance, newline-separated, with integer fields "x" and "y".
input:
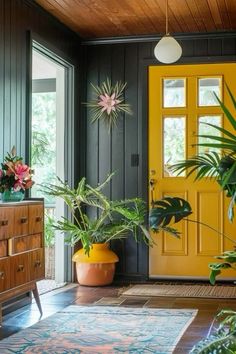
{"x": 167, "y": 50}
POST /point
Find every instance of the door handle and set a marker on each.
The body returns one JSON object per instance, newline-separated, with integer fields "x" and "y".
{"x": 152, "y": 183}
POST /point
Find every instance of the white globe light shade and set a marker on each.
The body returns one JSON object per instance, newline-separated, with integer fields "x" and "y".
{"x": 167, "y": 50}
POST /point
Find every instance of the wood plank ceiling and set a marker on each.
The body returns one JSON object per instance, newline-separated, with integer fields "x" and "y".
{"x": 113, "y": 18}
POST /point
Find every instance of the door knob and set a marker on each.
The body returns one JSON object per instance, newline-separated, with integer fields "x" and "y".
{"x": 152, "y": 183}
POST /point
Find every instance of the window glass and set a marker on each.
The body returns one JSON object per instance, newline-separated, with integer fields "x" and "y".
{"x": 174, "y": 143}
{"x": 174, "y": 93}
{"x": 206, "y": 89}
{"x": 204, "y": 129}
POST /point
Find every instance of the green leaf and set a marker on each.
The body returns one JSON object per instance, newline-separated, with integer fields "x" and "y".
{"x": 231, "y": 96}
{"x": 221, "y": 130}
{"x": 111, "y": 220}
{"x": 227, "y": 113}
{"x": 216, "y": 270}
{"x": 168, "y": 210}
{"x": 206, "y": 165}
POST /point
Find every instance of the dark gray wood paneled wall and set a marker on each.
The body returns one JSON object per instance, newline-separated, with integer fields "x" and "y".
{"x": 19, "y": 19}
{"x": 106, "y": 152}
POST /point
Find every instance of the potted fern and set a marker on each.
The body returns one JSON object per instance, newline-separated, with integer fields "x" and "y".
{"x": 95, "y": 221}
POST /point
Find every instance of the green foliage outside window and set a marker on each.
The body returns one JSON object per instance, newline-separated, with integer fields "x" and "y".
{"x": 43, "y": 149}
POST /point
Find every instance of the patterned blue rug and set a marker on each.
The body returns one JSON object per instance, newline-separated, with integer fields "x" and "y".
{"x": 102, "y": 330}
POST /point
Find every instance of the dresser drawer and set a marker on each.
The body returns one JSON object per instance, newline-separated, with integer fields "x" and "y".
{"x": 36, "y": 263}
{"x": 21, "y": 225}
{"x": 4, "y": 274}
{"x": 3, "y": 248}
{"x": 36, "y": 219}
{"x": 19, "y": 269}
{"x": 35, "y": 241}
{"x": 6, "y": 222}
{"x": 18, "y": 244}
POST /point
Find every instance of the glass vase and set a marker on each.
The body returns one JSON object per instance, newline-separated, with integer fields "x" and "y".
{"x": 9, "y": 195}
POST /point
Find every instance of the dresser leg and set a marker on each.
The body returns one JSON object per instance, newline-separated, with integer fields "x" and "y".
{"x": 37, "y": 299}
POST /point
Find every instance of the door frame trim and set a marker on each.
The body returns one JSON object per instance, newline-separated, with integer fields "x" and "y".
{"x": 37, "y": 43}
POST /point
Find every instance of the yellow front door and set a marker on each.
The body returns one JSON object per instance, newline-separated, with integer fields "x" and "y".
{"x": 180, "y": 100}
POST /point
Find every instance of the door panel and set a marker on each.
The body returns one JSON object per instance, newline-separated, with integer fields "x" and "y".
{"x": 181, "y": 100}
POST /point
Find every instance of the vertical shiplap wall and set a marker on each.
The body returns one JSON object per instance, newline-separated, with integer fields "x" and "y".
{"x": 112, "y": 152}
{"x": 18, "y": 20}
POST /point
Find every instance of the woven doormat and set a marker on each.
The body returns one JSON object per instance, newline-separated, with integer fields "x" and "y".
{"x": 183, "y": 290}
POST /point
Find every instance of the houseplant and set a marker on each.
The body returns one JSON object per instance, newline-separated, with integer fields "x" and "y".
{"x": 95, "y": 221}
{"x": 221, "y": 166}
{"x": 15, "y": 177}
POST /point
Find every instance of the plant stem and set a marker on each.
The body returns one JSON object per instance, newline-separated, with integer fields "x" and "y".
{"x": 212, "y": 228}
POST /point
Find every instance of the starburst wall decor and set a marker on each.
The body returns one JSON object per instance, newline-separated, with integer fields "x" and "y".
{"x": 108, "y": 102}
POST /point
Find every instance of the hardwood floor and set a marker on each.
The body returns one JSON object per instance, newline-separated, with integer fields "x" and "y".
{"x": 111, "y": 295}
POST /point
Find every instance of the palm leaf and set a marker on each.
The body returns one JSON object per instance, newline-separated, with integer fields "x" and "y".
{"x": 231, "y": 96}
{"x": 221, "y": 130}
{"x": 218, "y": 142}
{"x": 206, "y": 164}
{"x": 227, "y": 113}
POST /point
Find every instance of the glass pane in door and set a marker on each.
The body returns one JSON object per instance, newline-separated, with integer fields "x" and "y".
{"x": 174, "y": 93}
{"x": 206, "y": 89}
{"x": 174, "y": 143}
{"x": 205, "y": 129}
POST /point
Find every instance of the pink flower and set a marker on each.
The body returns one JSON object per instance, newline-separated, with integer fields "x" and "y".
{"x": 108, "y": 103}
{"x": 16, "y": 174}
{"x": 22, "y": 172}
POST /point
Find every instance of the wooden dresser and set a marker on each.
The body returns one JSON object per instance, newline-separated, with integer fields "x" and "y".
{"x": 21, "y": 249}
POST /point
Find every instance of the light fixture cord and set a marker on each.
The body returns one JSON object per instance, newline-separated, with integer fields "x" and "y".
{"x": 167, "y": 29}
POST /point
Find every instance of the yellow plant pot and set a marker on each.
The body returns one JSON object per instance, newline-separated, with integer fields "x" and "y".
{"x": 96, "y": 269}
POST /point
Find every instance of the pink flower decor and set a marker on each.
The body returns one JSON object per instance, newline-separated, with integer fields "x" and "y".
{"x": 22, "y": 171}
{"x": 14, "y": 173}
{"x": 108, "y": 103}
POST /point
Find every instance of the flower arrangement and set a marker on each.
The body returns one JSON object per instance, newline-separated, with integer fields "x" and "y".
{"x": 108, "y": 102}
{"x": 14, "y": 174}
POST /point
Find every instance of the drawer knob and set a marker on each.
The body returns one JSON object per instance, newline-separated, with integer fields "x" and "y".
{"x": 37, "y": 264}
{"x": 4, "y": 222}
{"x": 2, "y": 275}
{"x": 38, "y": 218}
{"x": 21, "y": 268}
{"x": 23, "y": 219}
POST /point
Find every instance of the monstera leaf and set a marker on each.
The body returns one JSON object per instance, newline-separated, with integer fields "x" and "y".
{"x": 167, "y": 211}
